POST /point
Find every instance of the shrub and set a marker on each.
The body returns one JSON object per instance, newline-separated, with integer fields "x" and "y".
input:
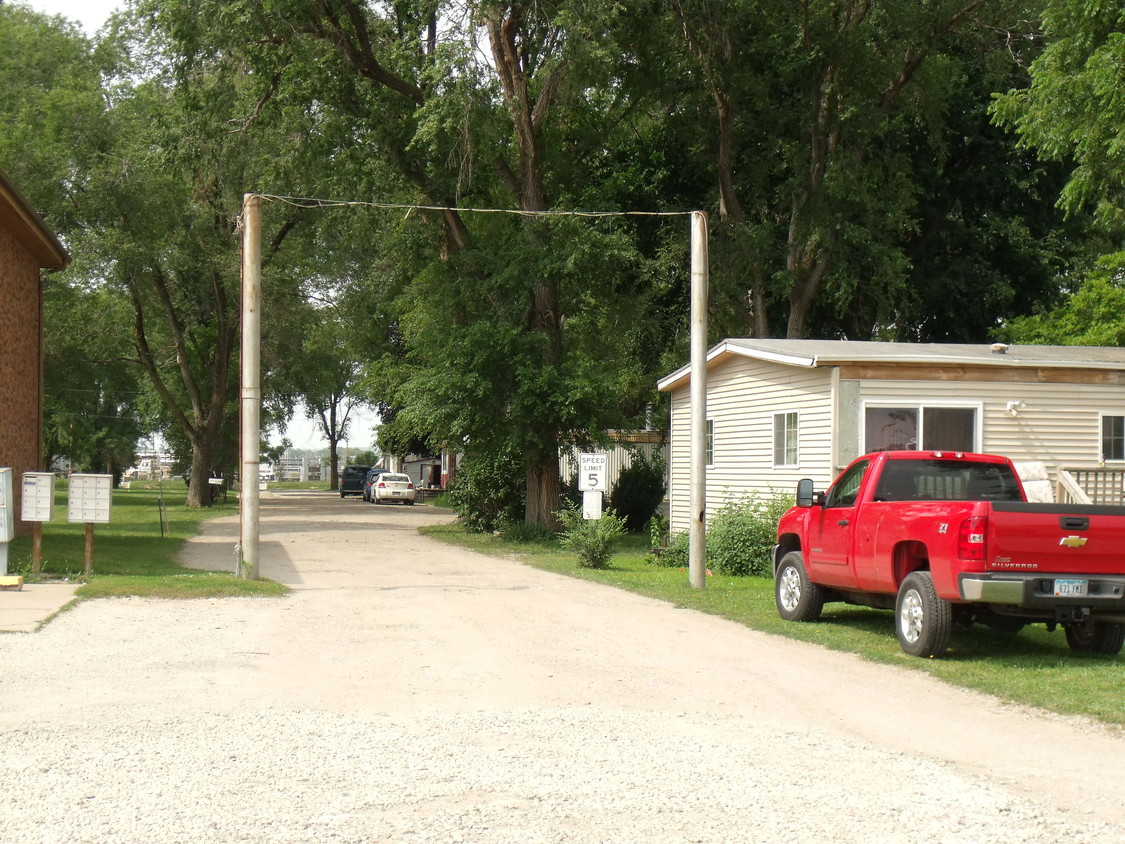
{"x": 657, "y": 530}
{"x": 593, "y": 539}
{"x": 526, "y": 532}
{"x": 489, "y": 490}
{"x": 742, "y": 532}
{"x": 739, "y": 537}
{"x": 638, "y": 491}
{"x": 676, "y": 554}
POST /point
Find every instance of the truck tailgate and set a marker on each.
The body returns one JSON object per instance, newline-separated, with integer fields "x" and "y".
{"x": 1062, "y": 538}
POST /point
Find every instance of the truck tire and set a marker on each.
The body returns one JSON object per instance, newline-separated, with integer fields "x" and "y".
{"x": 1095, "y": 637}
{"x": 798, "y": 598}
{"x": 923, "y": 621}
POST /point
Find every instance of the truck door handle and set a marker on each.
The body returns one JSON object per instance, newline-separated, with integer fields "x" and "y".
{"x": 1075, "y": 523}
{"x": 842, "y": 522}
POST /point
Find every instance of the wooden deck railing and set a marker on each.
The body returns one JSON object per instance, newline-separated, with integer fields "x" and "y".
{"x": 1091, "y": 486}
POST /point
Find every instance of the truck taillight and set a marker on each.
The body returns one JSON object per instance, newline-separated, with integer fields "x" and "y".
{"x": 970, "y": 538}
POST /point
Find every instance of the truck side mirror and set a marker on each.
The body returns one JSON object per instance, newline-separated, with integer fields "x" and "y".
{"x": 805, "y": 495}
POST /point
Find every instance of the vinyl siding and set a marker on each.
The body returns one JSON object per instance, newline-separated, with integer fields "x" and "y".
{"x": 742, "y": 397}
{"x": 1060, "y": 424}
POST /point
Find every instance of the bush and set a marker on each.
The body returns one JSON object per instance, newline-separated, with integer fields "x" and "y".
{"x": 489, "y": 490}
{"x": 526, "y": 532}
{"x": 675, "y": 555}
{"x": 593, "y": 539}
{"x": 638, "y": 491}
{"x": 657, "y": 530}
{"x": 740, "y": 536}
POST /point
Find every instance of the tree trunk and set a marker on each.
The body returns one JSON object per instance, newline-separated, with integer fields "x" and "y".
{"x": 333, "y": 450}
{"x": 543, "y": 490}
{"x": 199, "y": 488}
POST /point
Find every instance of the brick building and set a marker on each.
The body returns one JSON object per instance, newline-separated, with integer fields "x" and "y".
{"x": 26, "y": 248}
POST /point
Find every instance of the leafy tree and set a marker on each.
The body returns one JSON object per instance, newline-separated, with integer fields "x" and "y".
{"x": 815, "y": 110}
{"x": 92, "y": 405}
{"x": 1089, "y": 316}
{"x": 1073, "y": 108}
{"x": 53, "y": 130}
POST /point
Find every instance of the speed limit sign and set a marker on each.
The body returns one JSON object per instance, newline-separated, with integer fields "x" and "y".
{"x": 592, "y": 472}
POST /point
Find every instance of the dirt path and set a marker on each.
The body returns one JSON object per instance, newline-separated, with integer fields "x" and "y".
{"x": 497, "y": 670}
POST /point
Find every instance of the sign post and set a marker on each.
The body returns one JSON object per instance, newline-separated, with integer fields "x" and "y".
{"x": 592, "y": 470}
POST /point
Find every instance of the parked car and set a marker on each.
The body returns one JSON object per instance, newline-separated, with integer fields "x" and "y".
{"x": 369, "y": 479}
{"x": 351, "y": 480}
{"x": 392, "y": 487}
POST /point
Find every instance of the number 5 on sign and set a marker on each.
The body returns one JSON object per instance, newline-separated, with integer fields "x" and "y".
{"x": 592, "y": 472}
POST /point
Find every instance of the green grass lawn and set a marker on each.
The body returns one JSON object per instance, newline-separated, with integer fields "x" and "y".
{"x": 1034, "y": 668}
{"x": 135, "y": 553}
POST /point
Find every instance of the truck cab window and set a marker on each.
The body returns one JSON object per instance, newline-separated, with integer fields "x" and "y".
{"x": 846, "y": 489}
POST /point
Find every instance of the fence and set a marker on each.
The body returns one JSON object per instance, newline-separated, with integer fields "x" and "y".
{"x": 650, "y": 444}
{"x": 1091, "y": 486}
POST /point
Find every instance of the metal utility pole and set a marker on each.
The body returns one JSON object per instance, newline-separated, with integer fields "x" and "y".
{"x": 250, "y": 418}
{"x": 697, "y": 531}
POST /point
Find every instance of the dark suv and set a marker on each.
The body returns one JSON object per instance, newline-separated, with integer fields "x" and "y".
{"x": 369, "y": 480}
{"x": 351, "y": 480}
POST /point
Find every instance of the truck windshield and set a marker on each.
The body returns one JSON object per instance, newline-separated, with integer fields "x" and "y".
{"x": 946, "y": 480}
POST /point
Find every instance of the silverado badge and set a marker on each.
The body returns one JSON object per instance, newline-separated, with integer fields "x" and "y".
{"x": 1073, "y": 541}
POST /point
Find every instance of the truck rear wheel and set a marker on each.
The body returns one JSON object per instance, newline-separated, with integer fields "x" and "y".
{"x": 798, "y": 598}
{"x": 1095, "y": 637}
{"x": 923, "y": 621}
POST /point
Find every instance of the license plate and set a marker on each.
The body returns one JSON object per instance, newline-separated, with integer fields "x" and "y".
{"x": 1070, "y": 588}
{"x": 395, "y": 492}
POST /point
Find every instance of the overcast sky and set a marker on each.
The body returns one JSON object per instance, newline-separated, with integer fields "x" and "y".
{"x": 90, "y": 13}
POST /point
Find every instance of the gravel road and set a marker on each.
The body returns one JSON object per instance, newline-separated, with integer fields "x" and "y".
{"x": 409, "y": 692}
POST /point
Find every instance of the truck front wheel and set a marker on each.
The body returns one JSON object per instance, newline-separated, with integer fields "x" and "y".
{"x": 798, "y": 598}
{"x": 924, "y": 622}
{"x": 1095, "y": 637}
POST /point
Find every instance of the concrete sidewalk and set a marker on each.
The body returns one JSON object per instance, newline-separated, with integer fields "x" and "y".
{"x": 24, "y": 610}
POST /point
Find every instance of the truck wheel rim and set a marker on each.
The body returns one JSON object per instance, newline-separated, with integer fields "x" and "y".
{"x": 790, "y": 589}
{"x": 911, "y": 616}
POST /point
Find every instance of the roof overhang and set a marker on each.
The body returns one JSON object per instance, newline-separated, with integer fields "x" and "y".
{"x": 27, "y": 226}
{"x": 814, "y": 353}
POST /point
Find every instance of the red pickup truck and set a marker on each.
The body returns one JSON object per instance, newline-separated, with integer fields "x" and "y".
{"x": 944, "y": 537}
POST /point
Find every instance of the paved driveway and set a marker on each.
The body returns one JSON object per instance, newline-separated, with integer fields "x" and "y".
{"x": 408, "y": 690}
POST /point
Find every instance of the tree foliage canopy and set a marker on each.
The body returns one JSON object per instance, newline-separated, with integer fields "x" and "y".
{"x": 845, "y": 149}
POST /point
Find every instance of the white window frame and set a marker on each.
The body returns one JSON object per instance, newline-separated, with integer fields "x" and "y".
{"x": 1102, "y": 416}
{"x": 784, "y": 443}
{"x": 921, "y": 406}
{"x": 709, "y": 443}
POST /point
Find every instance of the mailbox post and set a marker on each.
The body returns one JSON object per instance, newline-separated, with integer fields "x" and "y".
{"x": 89, "y": 501}
{"x": 37, "y": 506}
{"x": 7, "y": 519}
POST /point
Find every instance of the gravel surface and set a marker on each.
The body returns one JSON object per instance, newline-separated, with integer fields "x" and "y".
{"x": 408, "y": 691}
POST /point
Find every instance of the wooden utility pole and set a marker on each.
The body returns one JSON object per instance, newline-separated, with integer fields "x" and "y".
{"x": 697, "y": 530}
{"x": 251, "y": 395}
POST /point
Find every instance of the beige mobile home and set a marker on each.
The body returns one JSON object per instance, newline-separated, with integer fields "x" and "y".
{"x": 781, "y": 410}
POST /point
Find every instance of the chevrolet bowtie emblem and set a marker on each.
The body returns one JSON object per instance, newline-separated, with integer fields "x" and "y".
{"x": 1073, "y": 541}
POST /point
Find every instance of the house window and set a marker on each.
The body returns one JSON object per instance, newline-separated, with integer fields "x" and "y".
{"x": 1113, "y": 438}
{"x": 906, "y": 428}
{"x": 710, "y": 442}
{"x": 785, "y": 439}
